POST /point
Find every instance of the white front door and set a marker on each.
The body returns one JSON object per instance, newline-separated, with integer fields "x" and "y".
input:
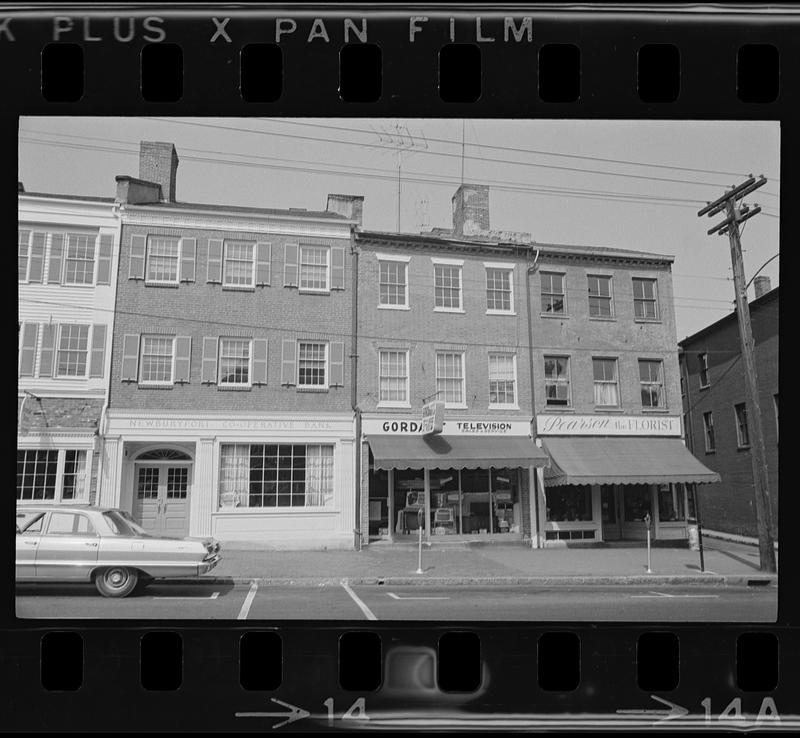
{"x": 161, "y": 498}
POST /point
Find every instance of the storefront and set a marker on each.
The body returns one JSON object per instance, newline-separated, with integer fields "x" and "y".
{"x": 274, "y": 481}
{"x": 607, "y": 474}
{"x": 472, "y": 480}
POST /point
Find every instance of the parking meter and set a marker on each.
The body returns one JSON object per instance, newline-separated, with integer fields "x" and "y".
{"x": 647, "y": 520}
{"x": 647, "y": 523}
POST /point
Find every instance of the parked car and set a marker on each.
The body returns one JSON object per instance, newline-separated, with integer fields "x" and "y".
{"x": 59, "y": 543}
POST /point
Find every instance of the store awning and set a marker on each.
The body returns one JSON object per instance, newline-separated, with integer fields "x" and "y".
{"x": 623, "y": 461}
{"x": 454, "y": 452}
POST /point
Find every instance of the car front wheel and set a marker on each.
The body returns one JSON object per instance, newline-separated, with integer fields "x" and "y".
{"x": 116, "y": 581}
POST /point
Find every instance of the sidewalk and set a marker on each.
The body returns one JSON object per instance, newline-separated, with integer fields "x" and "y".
{"x": 725, "y": 563}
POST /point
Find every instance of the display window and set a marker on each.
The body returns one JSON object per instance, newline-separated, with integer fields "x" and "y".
{"x": 670, "y": 503}
{"x": 569, "y": 503}
{"x": 637, "y": 502}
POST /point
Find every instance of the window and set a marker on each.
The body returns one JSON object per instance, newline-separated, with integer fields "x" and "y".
{"x": 708, "y": 432}
{"x": 637, "y": 502}
{"x": 683, "y": 384}
{"x": 314, "y": 268}
{"x": 393, "y": 283}
{"x": 40, "y": 476}
{"x": 600, "y": 297}
{"x": 393, "y": 377}
{"x": 450, "y": 378}
{"x": 502, "y": 380}
{"x": 162, "y": 260}
{"x": 742, "y": 433}
{"x": 569, "y": 503}
{"x": 499, "y": 289}
{"x": 276, "y": 475}
{"x": 645, "y": 299}
{"x": 606, "y": 388}
{"x": 447, "y": 286}
{"x": 312, "y": 365}
{"x": 69, "y": 524}
{"x": 23, "y": 254}
{"x": 239, "y": 265}
{"x": 79, "y": 259}
{"x": 156, "y": 360}
{"x": 651, "y": 383}
{"x": 670, "y": 503}
{"x": 554, "y": 299}
{"x": 556, "y": 380}
{"x": 234, "y": 361}
{"x": 73, "y": 348}
{"x": 703, "y": 359}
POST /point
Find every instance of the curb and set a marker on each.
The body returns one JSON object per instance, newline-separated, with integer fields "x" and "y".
{"x": 562, "y": 580}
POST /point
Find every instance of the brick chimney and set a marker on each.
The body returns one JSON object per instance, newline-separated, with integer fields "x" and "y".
{"x": 158, "y": 162}
{"x": 762, "y": 285}
{"x": 350, "y": 206}
{"x": 471, "y": 210}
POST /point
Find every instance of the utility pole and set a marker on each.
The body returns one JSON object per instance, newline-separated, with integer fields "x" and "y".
{"x": 730, "y": 226}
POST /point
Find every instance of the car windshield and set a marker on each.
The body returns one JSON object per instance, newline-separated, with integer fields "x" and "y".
{"x": 123, "y": 524}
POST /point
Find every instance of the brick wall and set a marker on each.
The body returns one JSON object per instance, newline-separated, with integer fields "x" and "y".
{"x": 730, "y": 505}
{"x": 199, "y": 309}
{"x": 54, "y": 413}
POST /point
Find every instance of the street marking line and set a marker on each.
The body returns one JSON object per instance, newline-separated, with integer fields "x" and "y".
{"x": 398, "y": 597}
{"x": 248, "y": 601}
{"x": 212, "y": 596}
{"x": 658, "y": 595}
{"x": 355, "y": 598}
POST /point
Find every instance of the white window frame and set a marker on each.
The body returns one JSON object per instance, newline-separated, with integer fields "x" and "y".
{"x": 459, "y": 263}
{"x": 237, "y": 242}
{"x": 501, "y": 266}
{"x": 81, "y": 494}
{"x": 615, "y": 361}
{"x": 395, "y": 403}
{"x": 159, "y": 382}
{"x": 504, "y": 405}
{"x": 318, "y": 290}
{"x": 393, "y": 258}
{"x": 312, "y": 387}
{"x": 442, "y": 395}
{"x": 65, "y": 258}
{"x": 739, "y": 441}
{"x": 233, "y": 385}
{"x": 610, "y": 278}
{"x": 709, "y": 415}
{"x": 568, "y": 381}
{"x": 57, "y": 350}
{"x": 663, "y": 394}
{"x": 148, "y": 254}
{"x": 656, "y": 300}
{"x": 25, "y": 279}
{"x": 703, "y": 357}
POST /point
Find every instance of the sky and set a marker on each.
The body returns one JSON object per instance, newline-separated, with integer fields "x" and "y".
{"x": 625, "y": 184}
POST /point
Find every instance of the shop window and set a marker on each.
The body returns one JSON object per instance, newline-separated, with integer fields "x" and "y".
{"x": 608, "y": 504}
{"x": 570, "y": 535}
{"x": 55, "y": 475}
{"x": 637, "y": 502}
{"x": 276, "y": 475}
{"x": 670, "y": 503}
{"x": 569, "y": 503}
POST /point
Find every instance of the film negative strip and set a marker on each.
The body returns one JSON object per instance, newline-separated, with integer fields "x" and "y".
{"x": 376, "y": 372}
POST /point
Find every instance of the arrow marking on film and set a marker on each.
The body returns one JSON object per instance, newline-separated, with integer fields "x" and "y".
{"x": 673, "y": 712}
{"x": 295, "y": 713}
{"x": 398, "y": 597}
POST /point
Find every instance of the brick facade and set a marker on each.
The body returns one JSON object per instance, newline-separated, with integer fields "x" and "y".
{"x": 58, "y": 413}
{"x": 730, "y": 506}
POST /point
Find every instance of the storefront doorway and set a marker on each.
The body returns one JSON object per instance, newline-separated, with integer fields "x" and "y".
{"x": 162, "y": 480}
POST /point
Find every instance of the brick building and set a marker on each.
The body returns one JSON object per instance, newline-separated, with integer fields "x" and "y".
{"x": 456, "y": 311}
{"x": 67, "y": 267}
{"x": 230, "y": 409}
{"x": 715, "y": 412}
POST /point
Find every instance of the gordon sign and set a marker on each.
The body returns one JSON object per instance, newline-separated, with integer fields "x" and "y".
{"x": 605, "y": 425}
{"x": 404, "y": 425}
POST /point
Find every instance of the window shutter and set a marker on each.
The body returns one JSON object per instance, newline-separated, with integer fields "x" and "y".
{"x": 337, "y": 268}
{"x": 24, "y": 243}
{"x": 260, "y": 361}
{"x": 214, "y": 260}
{"x": 188, "y": 259}
{"x": 263, "y": 263}
{"x": 56, "y": 258}
{"x": 130, "y": 357}
{"x": 47, "y": 354}
{"x": 27, "y": 355}
{"x": 337, "y": 364}
{"x": 37, "y": 257}
{"x": 209, "y": 373}
{"x": 138, "y": 248}
{"x": 98, "y": 354}
{"x": 183, "y": 358}
{"x": 104, "y": 258}
{"x": 289, "y": 362}
{"x": 290, "y": 265}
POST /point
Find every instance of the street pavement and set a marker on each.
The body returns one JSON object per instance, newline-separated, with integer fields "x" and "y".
{"x": 254, "y": 602}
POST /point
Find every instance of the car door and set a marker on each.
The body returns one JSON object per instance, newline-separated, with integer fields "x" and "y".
{"x": 68, "y": 549}
{"x": 27, "y": 543}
